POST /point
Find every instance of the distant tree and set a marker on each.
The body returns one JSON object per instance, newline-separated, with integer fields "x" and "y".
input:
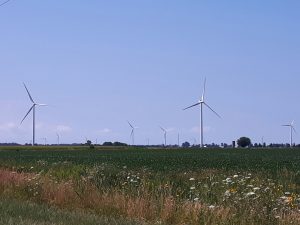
{"x": 186, "y": 144}
{"x": 107, "y": 143}
{"x": 88, "y": 142}
{"x": 244, "y": 142}
{"x": 119, "y": 144}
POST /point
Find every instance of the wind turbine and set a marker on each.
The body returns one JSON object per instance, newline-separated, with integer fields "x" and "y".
{"x": 132, "y": 131}
{"x": 33, "y": 113}
{"x": 165, "y": 134}
{"x": 292, "y": 129}
{"x": 58, "y": 137}
{"x": 45, "y": 140}
{"x": 201, "y": 103}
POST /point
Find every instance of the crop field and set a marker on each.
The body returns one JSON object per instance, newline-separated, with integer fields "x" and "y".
{"x": 78, "y": 185}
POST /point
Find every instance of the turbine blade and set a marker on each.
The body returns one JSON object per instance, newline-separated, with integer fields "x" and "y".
{"x": 42, "y": 104}
{"x": 286, "y": 125}
{"x": 203, "y": 93}
{"x": 292, "y": 123}
{"x": 164, "y": 130}
{"x": 27, "y": 114}
{"x": 295, "y": 130}
{"x": 212, "y": 110}
{"x": 130, "y": 124}
{"x": 29, "y": 94}
{"x": 192, "y": 106}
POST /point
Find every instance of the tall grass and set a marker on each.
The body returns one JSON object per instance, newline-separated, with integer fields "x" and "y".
{"x": 14, "y": 212}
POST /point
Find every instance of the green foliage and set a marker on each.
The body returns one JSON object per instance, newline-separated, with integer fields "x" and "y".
{"x": 88, "y": 143}
{"x": 244, "y": 142}
{"x": 15, "y": 212}
{"x": 186, "y": 144}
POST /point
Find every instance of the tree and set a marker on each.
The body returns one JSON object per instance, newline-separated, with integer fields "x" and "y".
{"x": 88, "y": 142}
{"x": 117, "y": 143}
{"x": 244, "y": 142}
{"x": 107, "y": 143}
{"x": 186, "y": 144}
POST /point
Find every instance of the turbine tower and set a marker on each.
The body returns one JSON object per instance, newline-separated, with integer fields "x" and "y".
{"x": 132, "y": 132}
{"x": 292, "y": 129}
{"x": 201, "y": 103}
{"x": 58, "y": 137}
{"x": 33, "y": 113}
{"x": 165, "y": 134}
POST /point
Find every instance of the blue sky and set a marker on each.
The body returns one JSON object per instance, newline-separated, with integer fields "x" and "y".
{"x": 100, "y": 63}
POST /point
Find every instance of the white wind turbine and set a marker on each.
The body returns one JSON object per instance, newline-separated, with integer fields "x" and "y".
{"x": 33, "y": 112}
{"x": 201, "y": 103}
{"x": 58, "y": 137}
{"x": 165, "y": 134}
{"x": 132, "y": 131}
{"x": 292, "y": 129}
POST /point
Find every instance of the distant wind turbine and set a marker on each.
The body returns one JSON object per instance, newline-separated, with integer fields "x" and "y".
{"x": 165, "y": 134}
{"x": 58, "y": 137}
{"x": 201, "y": 103}
{"x": 292, "y": 129}
{"x": 132, "y": 131}
{"x": 45, "y": 140}
{"x": 33, "y": 112}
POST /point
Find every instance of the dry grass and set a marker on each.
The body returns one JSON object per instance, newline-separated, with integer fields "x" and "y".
{"x": 144, "y": 208}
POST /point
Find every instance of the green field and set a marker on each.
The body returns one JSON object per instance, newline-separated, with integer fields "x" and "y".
{"x": 149, "y": 186}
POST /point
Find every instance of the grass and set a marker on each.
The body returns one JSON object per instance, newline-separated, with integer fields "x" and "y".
{"x": 158, "y": 186}
{"x": 13, "y": 212}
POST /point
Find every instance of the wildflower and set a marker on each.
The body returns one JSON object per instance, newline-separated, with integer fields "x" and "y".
{"x": 288, "y": 200}
{"x": 283, "y": 198}
{"x": 192, "y": 179}
{"x": 228, "y": 180}
{"x": 232, "y": 190}
{"x": 192, "y": 188}
{"x": 211, "y": 207}
{"x": 249, "y": 194}
{"x": 235, "y": 176}
{"x": 267, "y": 189}
{"x": 256, "y": 189}
{"x": 227, "y": 193}
{"x": 196, "y": 199}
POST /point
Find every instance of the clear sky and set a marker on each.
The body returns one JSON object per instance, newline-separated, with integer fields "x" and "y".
{"x": 100, "y": 63}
